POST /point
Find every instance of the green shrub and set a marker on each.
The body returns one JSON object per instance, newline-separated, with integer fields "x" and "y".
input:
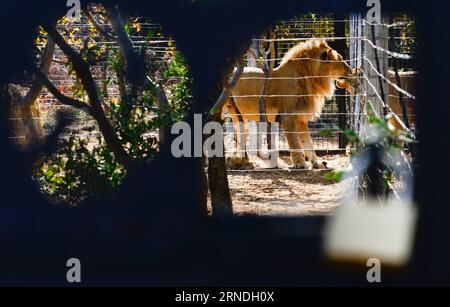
{"x": 83, "y": 169}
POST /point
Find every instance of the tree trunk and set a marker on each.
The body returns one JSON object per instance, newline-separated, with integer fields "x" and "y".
{"x": 267, "y": 67}
{"x": 31, "y": 125}
{"x": 136, "y": 73}
{"x": 221, "y": 202}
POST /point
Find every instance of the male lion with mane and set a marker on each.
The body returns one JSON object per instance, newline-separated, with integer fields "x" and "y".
{"x": 305, "y": 78}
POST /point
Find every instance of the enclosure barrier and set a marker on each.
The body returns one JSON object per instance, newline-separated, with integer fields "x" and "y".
{"x": 378, "y": 51}
{"x": 367, "y": 49}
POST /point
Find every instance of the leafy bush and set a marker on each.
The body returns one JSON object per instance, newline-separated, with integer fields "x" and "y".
{"x": 76, "y": 172}
{"x": 82, "y": 170}
{"x": 181, "y": 90}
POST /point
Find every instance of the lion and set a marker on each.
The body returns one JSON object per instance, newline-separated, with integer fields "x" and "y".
{"x": 294, "y": 95}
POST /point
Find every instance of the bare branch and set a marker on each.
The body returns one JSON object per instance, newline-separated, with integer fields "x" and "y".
{"x": 59, "y": 61}
{"x": 226, "y": 92}
{"x": 96, "y": 25}
{"x": 46, "y": 59}
{"x": 272, "y": 49}
{"x": 135, "y": 68}
{"x": 83, "y": 72}
{"x": 158, "y": 94}
{"x": 267, "y": 68}
{"x": 80, "y": 66}
{"x": 54, "y": 60}
{"x": 32, "y": 127}
{"x": 255, "y": 57}
{"x": 160, "y": 97}
{"x": 57, "y": 94}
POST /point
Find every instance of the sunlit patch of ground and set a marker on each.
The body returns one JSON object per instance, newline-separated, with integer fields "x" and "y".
{"x": 284, "y": 192}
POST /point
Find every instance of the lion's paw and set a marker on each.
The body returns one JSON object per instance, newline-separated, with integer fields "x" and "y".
{"x": 319, "y": 164}
{"x": 299, "y": 165}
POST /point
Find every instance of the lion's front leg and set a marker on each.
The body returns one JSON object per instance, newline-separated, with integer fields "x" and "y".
{"x": 288, "y": 124}
{"x": 307, "y": 144}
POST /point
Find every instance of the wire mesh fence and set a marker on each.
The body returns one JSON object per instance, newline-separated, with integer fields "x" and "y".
{"x": 381, "y": 54}
{"x": 394, "y": 46}
{"x": 149, "y": 38}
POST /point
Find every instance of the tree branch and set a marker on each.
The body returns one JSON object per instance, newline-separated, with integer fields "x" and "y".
{"x": 267, "y": 68}
{"x": 83, "y": 72}
{"x": 226, "y": 92}
{"x": 80, "y": 66}
{"x": 255, "y": 57}
{"x": 32, "y": 127}
{"x": 57, "y": 94}
{"x": 272, "y": 50}
{"x": 59, "y": 61}
{"x": 46, "y": 60}
{"x": 96, "y": 25}
{"x": 53, "y": 60}
{"x": 162, "y": 103}
{"x": 135, "y": 69}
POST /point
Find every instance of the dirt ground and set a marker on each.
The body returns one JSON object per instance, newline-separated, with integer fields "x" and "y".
{"x": 285, "y": 192}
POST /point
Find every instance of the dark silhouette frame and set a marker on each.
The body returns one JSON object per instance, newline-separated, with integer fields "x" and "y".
{"x": 153, "y": 232}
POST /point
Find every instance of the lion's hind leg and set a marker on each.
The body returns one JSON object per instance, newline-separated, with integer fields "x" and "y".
{"x": 241, "y": 132}
{"x": 239, "y": 127}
